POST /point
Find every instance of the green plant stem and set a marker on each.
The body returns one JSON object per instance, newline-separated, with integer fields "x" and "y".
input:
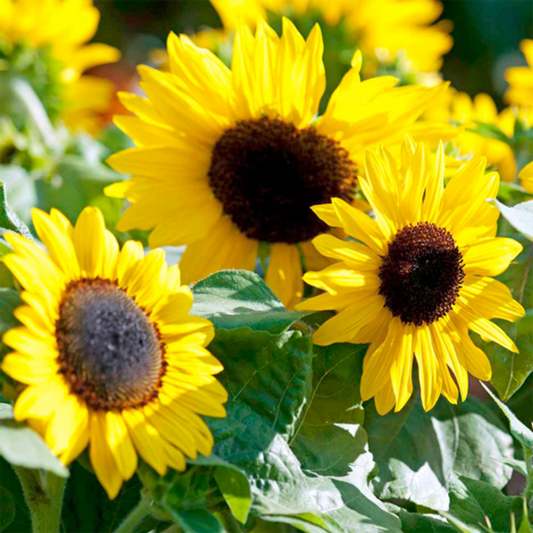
{"x": 528, "y": 456}
{"x": 136, "y": 516}
{"x": 526, "y": 273}
{"x": 44, "y": 497}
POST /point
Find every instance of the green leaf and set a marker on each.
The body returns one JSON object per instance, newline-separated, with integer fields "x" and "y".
{"x": 490, "y": 131}
{"x": 269, "y": 380}
{"x": 86, "y": 507}
{"x": 477, "y": 504}
{"x": 198, "y": 521}
{"x": 330, "y": 434}
{"x": 516, "y": 464}
{"x": 9, "y": 221}
{"x": 21, "y": 446}
{"x": 236, "y": 491}
{"x": 7, "y": 508}
{"x": 270, "y": 373}
{"x": 237, "y": 298}
{"x": 232, "y": 482}
{"x": 520, "y": 216}
{"x": 521, "y": 432}
{"x": 417, "y": 452}
{"x": 421, "y": 523}
{"x": 10, "y": 481}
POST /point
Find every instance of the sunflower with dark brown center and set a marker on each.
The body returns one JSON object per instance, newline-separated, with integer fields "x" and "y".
{"x": 228, "y": 159}
{"x": 417, "y": 278}
{"x": 108, "y": 351}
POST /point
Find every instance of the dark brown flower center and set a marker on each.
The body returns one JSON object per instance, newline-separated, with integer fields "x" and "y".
{"x": 422, "y": 274}
{"x": 267, "y": 174}
{"x": 109, "y": 351}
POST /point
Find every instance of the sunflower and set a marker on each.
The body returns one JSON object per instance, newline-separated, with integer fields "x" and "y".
{"x": 459, "y": 108}
{"x": 56, "y": 31}
{"x": 416, "y": 278}
{"x": 384, "y": 30}
{"x": 520, "y": 79}
{"x": 108, "y": 351}
{"x": 227, "y": 159}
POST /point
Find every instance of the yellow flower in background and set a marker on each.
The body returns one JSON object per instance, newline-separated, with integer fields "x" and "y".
{"x": 520, "y": 79}
{"x": 526, "y": 177}
{"x": 227, "y": 159}
{"x": 108, "y": 351}
{"x": 385, "y": 26}
{"x": 417, "y": 278}
{"x": 61, "y": 29}
{"x": 458, "y": 107}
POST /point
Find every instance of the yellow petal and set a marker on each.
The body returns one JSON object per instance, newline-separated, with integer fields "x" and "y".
{"x": 490, "y": 257}
{"x": 284, "y": 274}
{"x": 102, "y": 459}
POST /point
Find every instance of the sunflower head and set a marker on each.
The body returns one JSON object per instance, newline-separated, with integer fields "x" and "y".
{"x": 416, "y": 278}
{"x": 227, "y": 159}
{"x": 108, "y": 352}
{"x": 45, "y": 42}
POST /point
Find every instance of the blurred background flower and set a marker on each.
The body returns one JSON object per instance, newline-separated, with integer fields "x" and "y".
{"x": 486, "y": 35}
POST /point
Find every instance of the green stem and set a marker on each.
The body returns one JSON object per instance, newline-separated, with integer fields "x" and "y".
{"x": 526, "y": 274}
{"x": 528, "y": 456}
{"x": 44, "y": 497}
{"x": 136, "y": 516}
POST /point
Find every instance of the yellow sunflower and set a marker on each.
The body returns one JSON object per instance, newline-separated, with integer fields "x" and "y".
{"x": 416, "y": 278}
{"x": 458, "y": 107}
{"x": 520, "y": 79}
{"x": 227, "y": 159}
{"x": 108, "y": 351}
{"x": 60, "y": 30}
{"x": 381, "y": 28}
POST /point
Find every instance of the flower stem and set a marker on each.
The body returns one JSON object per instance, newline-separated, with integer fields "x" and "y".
{"x": 44, "y": 497}
{"x": 136, "y": 516}
{"x": 526, "y": 273}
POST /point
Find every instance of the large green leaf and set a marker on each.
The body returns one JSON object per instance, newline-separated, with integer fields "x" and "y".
{"x": 477, "y": 504}
{"x": 270, "y": 373}
{"x": 417, "y": 452}
{"x": 420, "y": 523}
{"x": 7, "y": 508}
{"x": 269, "y": 379}
{"x": 238, "y": 298}
{"x": 520, "y": 431}
{"x": 21, "y": 446}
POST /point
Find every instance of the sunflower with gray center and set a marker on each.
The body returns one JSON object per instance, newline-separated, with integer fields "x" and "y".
{"x": 227, "y": 159}
{"x": 108, "y": 351}
{"x": 416, "y": 279}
